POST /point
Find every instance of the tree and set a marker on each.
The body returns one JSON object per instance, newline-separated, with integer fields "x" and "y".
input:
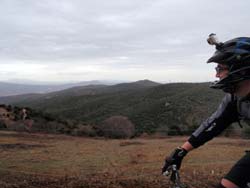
{"x": 116, "y": 127}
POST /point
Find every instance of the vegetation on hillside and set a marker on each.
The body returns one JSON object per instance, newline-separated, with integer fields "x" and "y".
{"x": 170, "y": 109}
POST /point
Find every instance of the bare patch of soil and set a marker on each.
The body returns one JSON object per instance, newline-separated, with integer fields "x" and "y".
{"x": 128, "y": 143}
{"x": 20, "y": 146}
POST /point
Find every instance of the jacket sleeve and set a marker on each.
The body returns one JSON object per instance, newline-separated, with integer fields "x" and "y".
{"x": 225, "y": 115}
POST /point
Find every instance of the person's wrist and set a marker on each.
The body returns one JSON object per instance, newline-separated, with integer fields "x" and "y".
{"x": 182, "y": 152}
{"x": 187, "y": 146}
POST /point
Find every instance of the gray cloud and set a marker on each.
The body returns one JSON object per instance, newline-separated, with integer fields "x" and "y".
{"x": 116, "y": 34}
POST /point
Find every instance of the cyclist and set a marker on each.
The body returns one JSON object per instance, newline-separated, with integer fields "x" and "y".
{"x": 233, "y": 70}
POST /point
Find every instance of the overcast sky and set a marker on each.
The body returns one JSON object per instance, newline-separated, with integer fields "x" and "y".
{"x": 77, "y": 40}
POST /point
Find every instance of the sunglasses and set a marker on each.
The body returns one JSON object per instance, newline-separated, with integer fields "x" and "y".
{"x": 220, "y": 69}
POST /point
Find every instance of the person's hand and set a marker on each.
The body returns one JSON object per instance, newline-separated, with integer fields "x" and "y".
{"x": 174, "y": 159}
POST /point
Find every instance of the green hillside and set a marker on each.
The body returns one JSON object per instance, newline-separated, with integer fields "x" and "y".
{"x": 175, "y": 108}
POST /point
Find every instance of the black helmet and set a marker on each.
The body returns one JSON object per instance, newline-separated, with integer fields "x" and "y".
{"x": 235, "y": 54}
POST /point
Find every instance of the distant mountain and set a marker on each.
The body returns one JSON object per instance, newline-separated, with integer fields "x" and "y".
{"x": 32, "y": 82}
{"x": 134, "y": 85}
{"x": 77, "y": 91}
{"x": 9, "y": 89}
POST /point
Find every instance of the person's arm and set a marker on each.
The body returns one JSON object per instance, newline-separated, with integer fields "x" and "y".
{"x": 213, "y": 126}
{"x": 225, "y": 115}
{"x": 187, "y": 146}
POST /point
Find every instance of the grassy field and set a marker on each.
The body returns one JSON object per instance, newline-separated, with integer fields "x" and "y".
{"x": 42, "y": 160}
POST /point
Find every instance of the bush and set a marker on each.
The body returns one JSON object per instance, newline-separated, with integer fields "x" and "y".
{"x": 84, "y": 130}
{"x": 42, "y": 125}
{"x": 16, "y": 126}
{"x": 175, "y": 130}
{"x": 116, "y": 127}
{"x": 2, "y": 125}
{"x": 246, "y": 132}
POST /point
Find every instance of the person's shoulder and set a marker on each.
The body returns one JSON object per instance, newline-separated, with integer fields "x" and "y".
{"x": 229, "y": 98}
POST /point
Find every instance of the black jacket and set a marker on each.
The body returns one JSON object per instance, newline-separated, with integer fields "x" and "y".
{"x": 231, "y": 109}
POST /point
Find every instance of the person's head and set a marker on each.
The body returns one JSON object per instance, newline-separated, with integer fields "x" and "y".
{"x": 233, "y": 64}
{"x": 221, "y": 71}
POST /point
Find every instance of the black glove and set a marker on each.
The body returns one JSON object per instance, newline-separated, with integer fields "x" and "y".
{"x": 175, "y": 158}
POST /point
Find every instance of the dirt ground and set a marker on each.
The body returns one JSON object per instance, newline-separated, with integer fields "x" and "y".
{"x": 53, "y": 161}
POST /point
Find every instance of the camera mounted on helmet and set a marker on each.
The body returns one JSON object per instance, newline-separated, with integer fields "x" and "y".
{"x": 235, "y": 54}
{"x": 213, "y": 40}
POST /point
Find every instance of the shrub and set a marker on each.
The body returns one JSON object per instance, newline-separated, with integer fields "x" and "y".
{"x": 246, "y": 132}
{"x": 116, "y": 127}
{"x": 42, "y": 125}
{"x": 2, "y": 125}
{"x": 84, "y": 130}
{"x": 16, "y": 126}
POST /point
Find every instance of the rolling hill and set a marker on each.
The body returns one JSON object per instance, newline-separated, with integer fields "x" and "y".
{"x": 151, "y": 106}
{"x": 77, "y": 91}
{"x": 10, "y": 89}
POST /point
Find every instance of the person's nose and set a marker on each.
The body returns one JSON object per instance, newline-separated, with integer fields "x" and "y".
{"x": 217, "y": 75}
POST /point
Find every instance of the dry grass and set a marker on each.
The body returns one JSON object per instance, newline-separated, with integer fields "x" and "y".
{"x": 40, "y": 160}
